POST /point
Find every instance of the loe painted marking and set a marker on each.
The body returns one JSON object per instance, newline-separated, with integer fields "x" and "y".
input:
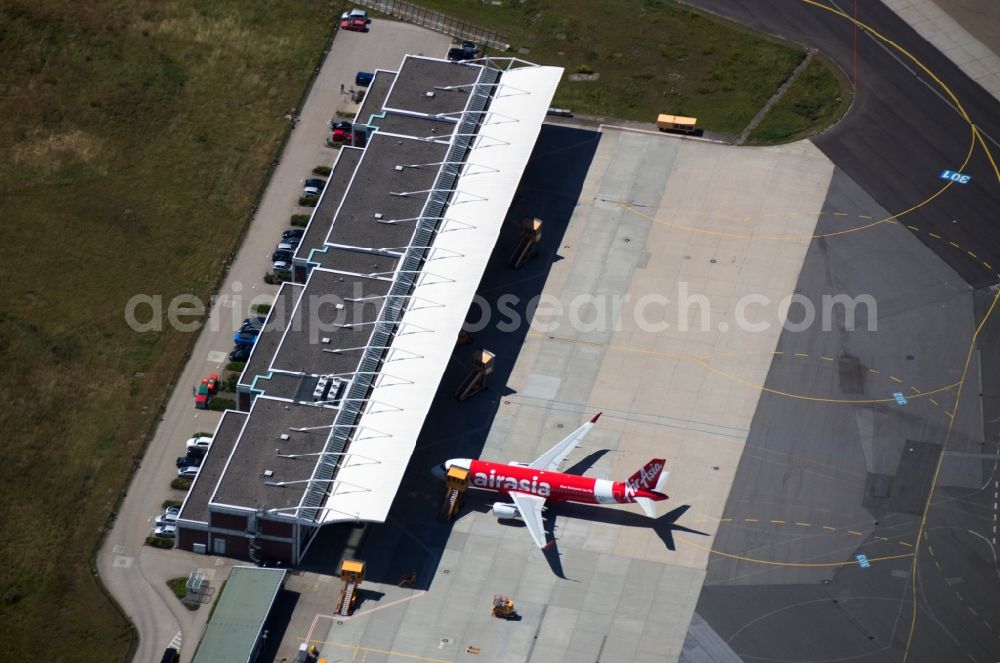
{"x": 900, "y": 398}
{"x": 952, "y": 176}
{"x": 863, "y": 561}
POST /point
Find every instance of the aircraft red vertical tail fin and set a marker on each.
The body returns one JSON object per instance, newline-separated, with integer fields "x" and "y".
{"x": 648, "y": 475}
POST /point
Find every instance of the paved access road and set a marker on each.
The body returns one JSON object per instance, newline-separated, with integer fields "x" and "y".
{"x": 135, "y": 573}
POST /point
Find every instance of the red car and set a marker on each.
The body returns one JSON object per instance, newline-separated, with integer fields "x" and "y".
{"x": 341, "y": 132}
{"x": 355, "y": 24}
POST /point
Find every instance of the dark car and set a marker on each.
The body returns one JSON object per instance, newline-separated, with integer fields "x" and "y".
{"x": 363, "y": 78}
{"x": 467, "y": 51}
{"x": 170, "y": 655}
{"x": 197, "y": 452}
{"x": 240, "y": 353}
{"x": 257, "y": 321}
{"x": 188, "y": 461}
{"x": 281, "y": 255}
{"x": 293, "y": 232}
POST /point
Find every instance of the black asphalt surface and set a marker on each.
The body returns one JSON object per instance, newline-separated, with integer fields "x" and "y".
{"x": 900, "y": 133}
{"x": 824, "y": 480}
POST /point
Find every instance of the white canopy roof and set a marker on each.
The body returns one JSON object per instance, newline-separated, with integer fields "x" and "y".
{"x": 381, "y": 449}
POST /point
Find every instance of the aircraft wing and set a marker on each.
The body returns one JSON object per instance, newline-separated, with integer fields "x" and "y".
{"x": 530, "y": 508}
{"x": 551, "y": 459}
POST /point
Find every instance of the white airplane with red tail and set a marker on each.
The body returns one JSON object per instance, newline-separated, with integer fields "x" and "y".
{"x": 530, "y": 485}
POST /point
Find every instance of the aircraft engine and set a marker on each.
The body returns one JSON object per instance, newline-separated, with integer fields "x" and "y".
{"x": 505, "y": 510}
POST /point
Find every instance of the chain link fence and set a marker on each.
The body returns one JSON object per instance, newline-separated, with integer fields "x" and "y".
{"x": 433, "y": 20}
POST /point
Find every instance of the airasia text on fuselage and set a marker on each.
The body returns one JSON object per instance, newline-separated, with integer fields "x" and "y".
{"x": 501, "y": 482}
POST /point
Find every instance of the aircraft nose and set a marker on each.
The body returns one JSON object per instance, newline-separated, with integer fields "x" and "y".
{"x": 438, "y": 471}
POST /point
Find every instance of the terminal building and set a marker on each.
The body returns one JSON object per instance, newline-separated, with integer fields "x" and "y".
{"x": 336, "y": 390}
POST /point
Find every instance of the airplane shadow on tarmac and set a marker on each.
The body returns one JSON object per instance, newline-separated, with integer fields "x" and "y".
{"x": 664, "y": 526}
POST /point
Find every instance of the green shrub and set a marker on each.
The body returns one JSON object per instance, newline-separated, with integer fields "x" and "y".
{"x": 322, "y": 170}
{"x": 181, "y": 483}
{"x": 202, "y": 433}
{"x": 237, "y": 366}
{"x": 308, "y": 201}
{"x": 261, "y": 309}
{"x": 169, "y": 503}
{"x": 584, "y": 69}
{"x": 219, "y": 404}
{"x": 178, "y": 586}
{"x": 157, "y": 542}
{"x": 300, "y": 220}
{"x": 277, "y": 277}
{"x": 231, "y": 381}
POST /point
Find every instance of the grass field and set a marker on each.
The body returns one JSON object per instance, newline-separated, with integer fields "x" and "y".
{"x": 653, "y": 57}
{"x": 135, "y": 136}
{"x": 816, "y": 98}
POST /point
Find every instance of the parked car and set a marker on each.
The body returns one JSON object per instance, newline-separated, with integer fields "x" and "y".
{"x": 170, "y": 655}
{"x": 293, "y": 232}
{"x": 188, "y": 472}
{"x": 165, "y": 519}
{"x": 467, "y": 51}
{"x": 240, "y": 353}
{"x": 313, "y": 186}
{"x": 288, "y": 244}
{"x": 189, "y": 461}
{"x": 363, "y": 79}
{"x": 258, "y": 320}
{"x": 165, "y": 531}
{"x": 245, "y": 337}
{"x": 282, "y": 255}
{"x": 356, "y": 13}
{"x": 175, "y": 510}
{"x": 252, "y": 325}
{"x": 281, "y": 266}
{"x": 203, "y": 441}
{"x": 197, "y": 452}
{"x": 354, "y": 24}
{"x": 341, "y": 132}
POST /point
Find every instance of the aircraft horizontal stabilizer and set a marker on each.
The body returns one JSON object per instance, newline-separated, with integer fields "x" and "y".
{"x": 648, "y": 506}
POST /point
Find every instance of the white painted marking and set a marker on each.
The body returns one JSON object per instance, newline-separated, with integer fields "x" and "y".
{"x": 122, "y": 562}
{"x": 119, "y": 549}
{"x": 217, "y": 357}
